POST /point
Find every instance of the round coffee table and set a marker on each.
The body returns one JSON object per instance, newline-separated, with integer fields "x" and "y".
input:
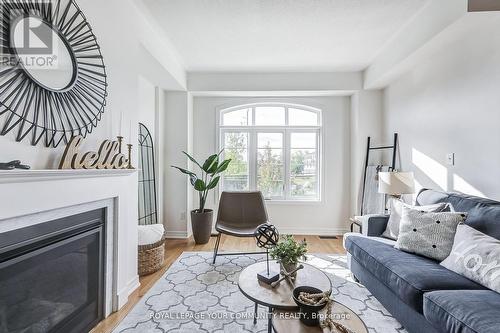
{"x": 289, "y": 322}
{"x": 279, "y": 297}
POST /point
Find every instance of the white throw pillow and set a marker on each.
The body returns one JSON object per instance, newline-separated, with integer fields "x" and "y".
{"x": 428, "y": 234}
{"x": 392, "y": 228}
{"x": 476, "y": 256}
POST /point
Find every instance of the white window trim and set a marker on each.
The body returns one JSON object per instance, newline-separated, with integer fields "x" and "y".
{"x": 286, "y": 130}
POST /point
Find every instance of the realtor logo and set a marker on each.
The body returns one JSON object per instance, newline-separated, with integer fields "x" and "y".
{"x": 30, "y": 35}
{"x": 30, "y": 38}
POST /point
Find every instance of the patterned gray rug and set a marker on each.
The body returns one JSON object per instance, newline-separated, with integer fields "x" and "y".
{"x": 196, "y": 296}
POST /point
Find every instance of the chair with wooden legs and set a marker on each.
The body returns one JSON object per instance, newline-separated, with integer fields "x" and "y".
{"x": 240, "y": 213}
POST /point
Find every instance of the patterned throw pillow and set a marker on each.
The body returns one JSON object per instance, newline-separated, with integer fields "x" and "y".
{"x": 392, "y": 229}
{"x": 475, "y": 256}
{"x": 428, "y": 234}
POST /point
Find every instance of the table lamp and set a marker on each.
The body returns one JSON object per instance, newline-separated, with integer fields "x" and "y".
{"x": 396, "y": 183}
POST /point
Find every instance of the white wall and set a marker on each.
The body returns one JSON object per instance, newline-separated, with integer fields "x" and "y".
{"x": 399, "y": 54}
{"x": 176, "y": 129}
{"x": 147, "y": 105}
{"x": 366, "y": 121}
{"x": 331, "y": 215}
{"x": 450, "y": 103}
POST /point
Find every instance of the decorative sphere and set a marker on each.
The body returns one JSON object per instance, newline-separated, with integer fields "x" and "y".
{"x": 266, "y": 235}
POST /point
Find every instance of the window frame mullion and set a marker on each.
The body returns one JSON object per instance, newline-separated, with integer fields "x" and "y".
{"x": 252, "y": 152}
{"x": 252, "y": 159}
{"x": 287, "y": 161}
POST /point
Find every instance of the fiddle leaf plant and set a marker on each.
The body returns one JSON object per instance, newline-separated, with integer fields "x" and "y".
{"x": 209, "y": 177}
{"x": 288, "y": 251}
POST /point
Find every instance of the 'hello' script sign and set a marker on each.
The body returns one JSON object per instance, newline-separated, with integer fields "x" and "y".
{"x": 108, "y": 156}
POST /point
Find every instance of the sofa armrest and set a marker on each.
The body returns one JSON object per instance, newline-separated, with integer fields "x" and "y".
{"x": 374, "y": 224}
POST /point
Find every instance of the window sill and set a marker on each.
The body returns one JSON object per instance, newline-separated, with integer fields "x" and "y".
{"x": 294, "y": 202}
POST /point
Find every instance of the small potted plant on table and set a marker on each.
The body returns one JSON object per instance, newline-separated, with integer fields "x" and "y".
{"x": 288, "y": 252}
{"x": 211, "y": 170}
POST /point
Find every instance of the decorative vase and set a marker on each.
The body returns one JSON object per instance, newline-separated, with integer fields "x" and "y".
{"x": 289, "y": 267}
{"x": 202, "y": 225}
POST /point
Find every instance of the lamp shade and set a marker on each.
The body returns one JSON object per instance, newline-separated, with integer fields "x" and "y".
{"x": 396, "y": 183}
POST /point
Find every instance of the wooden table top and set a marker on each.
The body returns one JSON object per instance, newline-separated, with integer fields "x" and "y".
{"x": 279, "y": 297}
{"x": 289, "y": 322}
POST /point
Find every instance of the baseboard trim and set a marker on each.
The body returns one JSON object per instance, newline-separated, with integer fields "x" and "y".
{"x": 287, "y": 231}
{"x": 313, "y": 231}
{"x": 123, "y": 294}
{"x": 176, "y": 234}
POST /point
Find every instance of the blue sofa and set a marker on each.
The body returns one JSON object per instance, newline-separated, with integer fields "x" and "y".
{"x": 421, "y": 294}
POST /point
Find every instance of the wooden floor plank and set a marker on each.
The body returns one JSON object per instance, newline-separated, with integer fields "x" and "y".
{"x": 175, "y": 247}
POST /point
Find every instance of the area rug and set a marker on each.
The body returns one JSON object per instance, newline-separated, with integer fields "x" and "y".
{"x": 196, "y": 296}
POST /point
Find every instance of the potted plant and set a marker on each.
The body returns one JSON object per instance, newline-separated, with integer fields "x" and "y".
{"x": 211, "y": 169}
{"x": 288, "y": 252}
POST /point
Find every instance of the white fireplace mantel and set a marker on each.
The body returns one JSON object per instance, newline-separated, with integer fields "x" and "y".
{"x": 21, "y": 176}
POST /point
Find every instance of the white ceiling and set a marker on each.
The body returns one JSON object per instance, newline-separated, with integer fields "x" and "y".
{"x": 280, "y": 35}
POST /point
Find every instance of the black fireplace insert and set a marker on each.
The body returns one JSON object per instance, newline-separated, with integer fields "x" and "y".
{"x": 52, "y": 275}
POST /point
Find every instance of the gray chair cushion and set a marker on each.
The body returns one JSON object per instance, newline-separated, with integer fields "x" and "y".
{"x": 237, "y": 231}
{"x": 408, "y": 275}
{"x": 464, "y": 311}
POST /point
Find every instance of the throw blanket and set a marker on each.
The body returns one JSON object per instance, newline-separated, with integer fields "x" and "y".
{"x": 374, "y": 202}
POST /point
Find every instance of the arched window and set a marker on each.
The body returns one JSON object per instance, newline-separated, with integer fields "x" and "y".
{"x": 275, "y": 148}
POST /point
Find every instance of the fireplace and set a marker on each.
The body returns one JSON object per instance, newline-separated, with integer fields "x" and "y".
{"x": 52, "y": 275}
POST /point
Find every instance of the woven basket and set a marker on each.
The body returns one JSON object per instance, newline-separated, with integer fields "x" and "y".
{"x": 151, "y": 257}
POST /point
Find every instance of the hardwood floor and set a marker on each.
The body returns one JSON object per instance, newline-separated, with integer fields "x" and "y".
{"x": 175, "y": 247}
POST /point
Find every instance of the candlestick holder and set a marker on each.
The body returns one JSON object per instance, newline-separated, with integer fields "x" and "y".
{"x": 129, "y": 166}
{"x": 120, "y": 139}
{"x": 267, "y": 237}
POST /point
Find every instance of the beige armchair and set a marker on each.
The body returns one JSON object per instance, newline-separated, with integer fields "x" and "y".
{"x": 240, "y": 213}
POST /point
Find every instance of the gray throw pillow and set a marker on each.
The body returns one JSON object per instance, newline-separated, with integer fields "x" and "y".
{"x": 476, "y": 256}
{"x": 392, "y": 228}
{"x": 428, "y": 234}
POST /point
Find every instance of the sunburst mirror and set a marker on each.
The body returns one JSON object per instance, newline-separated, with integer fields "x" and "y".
{"x": 52, "y": 76}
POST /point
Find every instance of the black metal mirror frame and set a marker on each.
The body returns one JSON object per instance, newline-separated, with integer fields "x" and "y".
{"x": 147, "y": 178}
{"x": 31, "y": 107}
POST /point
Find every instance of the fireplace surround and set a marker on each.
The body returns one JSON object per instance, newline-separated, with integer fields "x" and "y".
{"x": 35, "y": 197}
